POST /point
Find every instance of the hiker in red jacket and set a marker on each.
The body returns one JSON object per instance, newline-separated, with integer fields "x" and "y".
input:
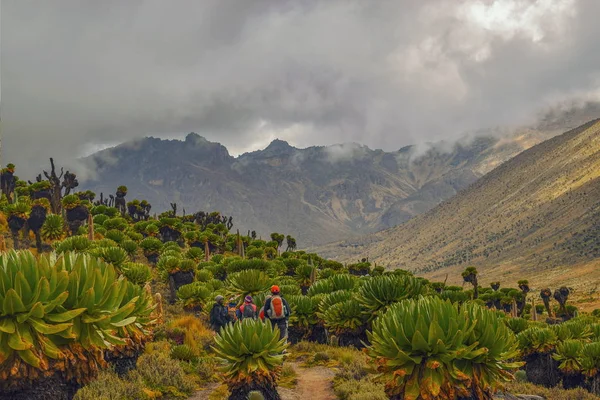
{"x": 246, "y": 310}
{"x": 277, "y": 311}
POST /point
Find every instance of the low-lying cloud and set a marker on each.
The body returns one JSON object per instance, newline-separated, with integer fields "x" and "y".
{"x": 79, "y": 74}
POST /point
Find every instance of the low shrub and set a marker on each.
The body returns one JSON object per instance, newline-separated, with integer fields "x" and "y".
{"x": 158, "y": 372}
{"x": 109, "y": 386}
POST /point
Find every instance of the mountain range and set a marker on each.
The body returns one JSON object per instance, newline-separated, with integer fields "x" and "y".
{"x": 536, "y": 216}
{"x": 317, "y": 194}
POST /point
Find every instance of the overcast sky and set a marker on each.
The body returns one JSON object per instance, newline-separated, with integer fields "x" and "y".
{"x": 79, "y": 75}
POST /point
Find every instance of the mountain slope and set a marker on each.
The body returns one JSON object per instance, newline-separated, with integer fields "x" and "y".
{"x": 317, "y": 194}
{"x": 535, "y": 215}
{"x": 320, "y": 194}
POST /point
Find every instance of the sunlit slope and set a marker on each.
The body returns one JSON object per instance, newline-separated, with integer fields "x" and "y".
{"x": 535, "y": 215}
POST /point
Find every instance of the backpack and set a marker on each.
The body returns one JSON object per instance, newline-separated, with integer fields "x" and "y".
{"x": 232, "y": 314}
{"x": 248, "y": 311}
{"x": 277, "y": 309}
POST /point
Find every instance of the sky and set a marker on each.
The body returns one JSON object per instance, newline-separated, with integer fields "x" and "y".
{"x": 80, "y": 75}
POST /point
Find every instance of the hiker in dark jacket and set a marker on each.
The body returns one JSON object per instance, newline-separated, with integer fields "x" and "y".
{"x": 246, "y": 310}
{"x": 277, "y": 310}
{"x": 219, "y": 316}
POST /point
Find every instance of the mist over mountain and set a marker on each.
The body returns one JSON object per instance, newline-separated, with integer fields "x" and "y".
{"x": 318, "y": 194}
{"x": 536, "y": 216}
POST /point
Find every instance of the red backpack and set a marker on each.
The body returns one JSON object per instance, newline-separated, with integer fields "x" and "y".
{"x": 277, "y": 309}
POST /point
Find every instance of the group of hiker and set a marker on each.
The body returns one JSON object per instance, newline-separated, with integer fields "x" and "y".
{"x": 276, "y": 310}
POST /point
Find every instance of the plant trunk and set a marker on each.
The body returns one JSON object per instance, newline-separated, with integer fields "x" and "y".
{"x": 594, "y": 386}
{"x": 52, "y": 387}
{"x": 542, "y": 369}
{"x": 573, "y": 381}
{"x": 269, "y": 391}
{"x": 38, "y": 241}
{"x": 177, "y": 280}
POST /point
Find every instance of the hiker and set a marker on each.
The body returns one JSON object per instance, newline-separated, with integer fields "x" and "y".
{"x": 219, "y": 317}
{"x": 247, "y": 310}
{"x": 261, "y": 313}
{"x": 277, "y": 311}
{"x": 232, "y": 309}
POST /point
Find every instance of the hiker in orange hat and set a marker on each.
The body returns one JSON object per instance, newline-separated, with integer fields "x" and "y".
{"x": 277, "y": 310}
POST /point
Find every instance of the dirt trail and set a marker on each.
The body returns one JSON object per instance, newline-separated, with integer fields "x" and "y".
{"x": 313, "y": 383}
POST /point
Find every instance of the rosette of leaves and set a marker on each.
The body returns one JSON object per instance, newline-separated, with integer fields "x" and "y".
{"x": 304, "y": 310}
{"x": 248, "y": 282}
{"x": 151, "y": 246}
{"x": 306, "y": 275}
{"x": 138, "y": 273}
{"x": 183, "y": 352}
{"x": 133, "y": 235}
{"x": 98, "y": 210}
{"x": 575, "y": 329}
{"x": 113, "y": 255}
{"x": 169, "y": 264}
{"x": 191, "y": 237}
{"x": 53, "y": 227}
{"x": 171, "y": 246}
{"x": 71, "y": 201}
{"x": 252, "y": 354}
{"x": 195, "y": 253}
{"x": 217, "y": 284}
{"x": 320, "y": 287}
{"x": 130, "y": 247}
{"x": 378, "y": 293}
{"x": 100, "y": 219}
{"x": 255, "y": 253}
{"x": 152, "y": 230}
{"x": 590, "y": 361}
{"x": 428, "y": 348}
{"x": 186, "y": 265}
{"x": 118, "y": 223}
{"x": 203, "y": 275}
{"x": 333, "y": 298}
{"x": 344, "y": 317}
{"x": 290, "y": 290}
{"x": 236, "y": 264}
{"x": 516, "y": 325}
{"x": 40, "y": 189}
{"x": 455, "y": 296}
{"x": 537, "y": 340}
{"x": 78, "y": 244}
{"x": 343, "y": 282}
{"x": 326, "y": 273}
{"x": 568, "y": 354}
{"x": 58, "y": 315}
{"x": 140, "y": 227}
{"x": 116, "y": 235}
{"x": 194, "y": 295}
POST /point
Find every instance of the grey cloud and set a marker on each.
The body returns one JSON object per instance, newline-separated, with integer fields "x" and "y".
{"x": 78, "y": 73}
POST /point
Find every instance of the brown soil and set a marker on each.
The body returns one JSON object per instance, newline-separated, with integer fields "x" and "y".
{"x": 313, "y": 383}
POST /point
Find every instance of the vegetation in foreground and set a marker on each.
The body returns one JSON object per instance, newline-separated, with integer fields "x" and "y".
{"x": 81, "y": 301}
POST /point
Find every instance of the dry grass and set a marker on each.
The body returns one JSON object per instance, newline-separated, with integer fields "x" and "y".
{"x": 550, "y": 394}
{"x": 535, "y": 217}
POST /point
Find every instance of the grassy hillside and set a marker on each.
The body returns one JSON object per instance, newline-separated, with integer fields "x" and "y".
{"x": 536, "y": 215}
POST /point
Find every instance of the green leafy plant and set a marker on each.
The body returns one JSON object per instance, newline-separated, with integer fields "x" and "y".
{"x": 59, "y": 315}
{"x": 568, "y": 354}
{"x": 252, "y": 355}
{"x": 430, "y": 348}
{"x": 248, "y": 282}
{"x": 53, "y": 227}
{"x": 378, "y": 293}
{"x": 137, "y": 273}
